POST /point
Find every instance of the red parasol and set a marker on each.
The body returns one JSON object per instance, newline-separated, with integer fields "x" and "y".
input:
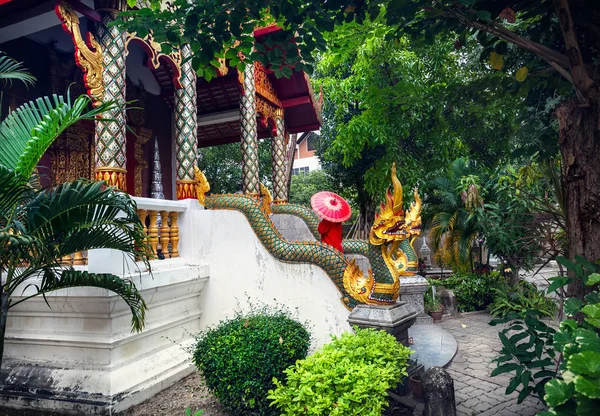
{"x": 330, "y": 206}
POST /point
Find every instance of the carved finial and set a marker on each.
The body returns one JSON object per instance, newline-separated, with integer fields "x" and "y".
{"x": 267, "y": 199}
{"x": 157, "y": 187}
{"x": 202, "y": 186}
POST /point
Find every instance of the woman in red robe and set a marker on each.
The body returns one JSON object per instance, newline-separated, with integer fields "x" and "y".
{"x": 331, "y": 233}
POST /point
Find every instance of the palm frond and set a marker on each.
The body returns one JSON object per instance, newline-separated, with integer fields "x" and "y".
{"x": 64, "y": 279}
{"x": 11, "y": 70}
{"x": 84, "y": 215}
{"x": 28, "y": 131}
{"x": 12, "y": 187}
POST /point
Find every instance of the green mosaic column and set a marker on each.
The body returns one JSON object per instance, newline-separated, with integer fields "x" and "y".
{"x": 249, "y": 133}
{"x": 278, "y": 155}
{"x": 186, "y": 128}
{"x": 110, "y": 136}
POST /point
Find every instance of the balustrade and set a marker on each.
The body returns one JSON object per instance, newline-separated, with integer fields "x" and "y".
{"x": 160, "y": 223}
{"x": 77, "y": 259}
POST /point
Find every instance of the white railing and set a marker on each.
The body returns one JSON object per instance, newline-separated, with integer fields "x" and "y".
{"x": 160, "y": 222}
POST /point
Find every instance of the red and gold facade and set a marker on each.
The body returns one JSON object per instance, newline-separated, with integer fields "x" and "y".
{"x": 184, "y": 114}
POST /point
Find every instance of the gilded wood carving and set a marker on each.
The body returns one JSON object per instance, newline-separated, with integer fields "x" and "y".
{"x": 88, "y": 55}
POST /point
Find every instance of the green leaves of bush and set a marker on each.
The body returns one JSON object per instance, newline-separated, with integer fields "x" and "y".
{"x": 522, "y": 297}
{"x": 473, "y": 291}
{"x": 527, "y": 352}
{"x": 349, "y": 376}
{"x": 569, "y": 358}
{"x": 240, "y": 357}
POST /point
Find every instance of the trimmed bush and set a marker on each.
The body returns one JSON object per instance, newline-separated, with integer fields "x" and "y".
{"x": 474, "y": 292}
{"x": 240, "y": 357}
{"x": 349, "y": 376}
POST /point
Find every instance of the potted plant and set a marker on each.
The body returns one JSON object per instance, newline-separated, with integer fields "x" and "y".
{"x": 434, "y": 308}
{"x": 414, "y": 382}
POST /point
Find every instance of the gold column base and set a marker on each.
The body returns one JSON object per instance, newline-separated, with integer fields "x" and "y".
{"x": 113, "y": 176}
{"x": 186, "y": 189}
{"x": 253, "y": 195}
{"x": 280, "y": 202}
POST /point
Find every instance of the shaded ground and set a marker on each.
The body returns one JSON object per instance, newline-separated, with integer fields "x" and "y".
{"x": 188, "y": 393}
{"x": 476, "y": 392}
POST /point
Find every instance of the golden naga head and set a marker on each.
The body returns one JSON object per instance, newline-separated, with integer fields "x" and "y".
{"x": 202, "y": 186}
{"x": 392, "y": 223}
{"x": 267, "y": 199}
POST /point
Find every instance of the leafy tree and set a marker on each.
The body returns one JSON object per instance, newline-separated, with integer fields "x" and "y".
{"x": 544, "y": 50}
{"x": 222, "y": 166}
{"x": 39, "y": 227}
{"x": 304, "y": 186}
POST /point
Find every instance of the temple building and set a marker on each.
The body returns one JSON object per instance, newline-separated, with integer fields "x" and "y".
{"x": 70, "y": 46}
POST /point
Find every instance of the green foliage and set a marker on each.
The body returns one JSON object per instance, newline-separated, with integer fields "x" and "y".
{"x": 473, "y": 291}
{"x": 561, "y": 367}
{"x": 188, "y": 412}
{"x": 521, "y": 297}
{"x": 39, "y": 227}
{"x": 527, "y": 351}
{"x": 11, "y": 70}
{"x": 577, "y": 389}
{"x": 433, "y": 304}
{"x": 222, "y": 166}
{"x": 240, "y": 357}
{"x": 454, "y": 226}
{"x": 304, "y": 186}
{"x": 348, "y": 376}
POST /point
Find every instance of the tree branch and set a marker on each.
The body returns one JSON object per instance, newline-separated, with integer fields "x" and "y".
{"x": 581, "y": 80}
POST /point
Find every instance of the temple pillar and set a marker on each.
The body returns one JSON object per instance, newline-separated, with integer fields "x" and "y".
{"x": 186, "y": 128}
{"x": 280, "y": 195}
{"x": 110, "y": 135}
{"x": 250, "y": 178}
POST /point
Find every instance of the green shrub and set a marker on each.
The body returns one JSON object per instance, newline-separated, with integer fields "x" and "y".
{"x": 473, "y": 291}
{"x": 522, "y": 297}
{"x": 561, "y": 367}
{"x": 348, "y": 376}
{"x": 240, "y": 357}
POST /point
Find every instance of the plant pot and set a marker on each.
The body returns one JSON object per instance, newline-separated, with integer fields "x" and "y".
{"x": 415, "y": 386}
{"x": 437, "y": 315}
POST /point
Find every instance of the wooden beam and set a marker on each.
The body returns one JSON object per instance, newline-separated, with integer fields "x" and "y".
{"x": 218, "y": 118}
{"x": 85, "y": 10}
{"x": 295, "y": 102}
{"x": 217, "y": 142}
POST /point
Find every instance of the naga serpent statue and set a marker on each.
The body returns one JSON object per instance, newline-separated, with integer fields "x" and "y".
{"x": 389, "y": 248}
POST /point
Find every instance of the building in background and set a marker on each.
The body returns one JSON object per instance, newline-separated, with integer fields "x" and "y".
{"x": 305, "y": 158}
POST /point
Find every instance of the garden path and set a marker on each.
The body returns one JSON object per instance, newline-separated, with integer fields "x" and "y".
{"x": 476, "y": 392}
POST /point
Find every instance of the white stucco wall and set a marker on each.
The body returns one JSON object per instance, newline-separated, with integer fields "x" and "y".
{"x": 241, "y": 269}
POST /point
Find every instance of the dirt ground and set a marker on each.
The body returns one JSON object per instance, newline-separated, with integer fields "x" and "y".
{"x": 187, "y": 393}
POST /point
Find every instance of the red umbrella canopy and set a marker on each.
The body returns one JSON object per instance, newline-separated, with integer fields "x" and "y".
{"x": 330, "y": 206}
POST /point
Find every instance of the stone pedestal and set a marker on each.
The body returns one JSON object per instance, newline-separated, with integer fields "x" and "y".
{"x": 412, "y": 289}
{"x": 394, "y": 319}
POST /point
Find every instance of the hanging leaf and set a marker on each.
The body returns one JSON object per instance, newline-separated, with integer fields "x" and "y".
{"x": 496, "y": 61}
{"x": 508, "y": 14}
{"x": 522, "y": 73}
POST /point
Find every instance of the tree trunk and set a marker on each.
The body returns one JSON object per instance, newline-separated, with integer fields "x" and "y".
{"x": 580, "y": 149}
{"x": 3, "y": 316}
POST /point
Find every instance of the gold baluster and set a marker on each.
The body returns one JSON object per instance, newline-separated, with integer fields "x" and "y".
{"x": 142, "y": 214}
{"x": 78, "y": 259}
{"x": 174, "y": 235}
{"x": 153, "y": 231}
{"x": 66, "y": 259}
{"x": 164, "y": 233}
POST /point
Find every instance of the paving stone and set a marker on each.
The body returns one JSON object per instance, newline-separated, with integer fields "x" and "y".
{"x": 476, "y": 392}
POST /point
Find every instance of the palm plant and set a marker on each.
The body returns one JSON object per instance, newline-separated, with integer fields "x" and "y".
{"x": 454, "y": 227}
{"x": 39, "y": 227}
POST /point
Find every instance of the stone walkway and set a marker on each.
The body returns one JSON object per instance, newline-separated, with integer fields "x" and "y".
{"x": 476, "y": 392}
